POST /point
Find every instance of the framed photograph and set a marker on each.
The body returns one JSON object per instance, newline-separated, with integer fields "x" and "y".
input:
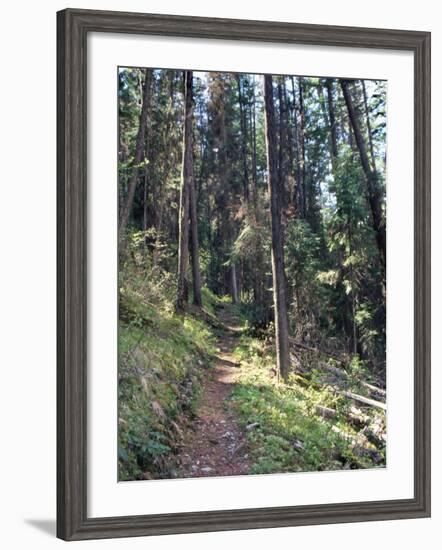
{"x": 243, "y": 274}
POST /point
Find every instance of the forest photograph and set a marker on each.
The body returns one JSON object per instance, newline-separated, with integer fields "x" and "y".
{"x": 251, "y": 274}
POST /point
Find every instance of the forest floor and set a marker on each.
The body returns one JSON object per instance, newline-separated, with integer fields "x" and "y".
{"x": 199, "y": 396}
{"x": 215, "y": 444}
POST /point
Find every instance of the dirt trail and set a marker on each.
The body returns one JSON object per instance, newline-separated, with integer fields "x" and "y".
{"x": 215, "y": 445}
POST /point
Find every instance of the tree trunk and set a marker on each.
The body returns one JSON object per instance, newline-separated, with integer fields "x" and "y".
{"x": 297, "y": 193}
{"x": 301, "y": 145}
{"x": 374, "y": 195}
{"x": 261, "y": 302}
{"x": 291, "y": 182}
{"x": 233, "y": 284}
{"x": 373, "y": 192}
{"x": 139, "y": 149}
{"x": 194, "y": 242}
{"x": 367, "y": 117}
{"x": 145, "y": 196}
{"x": 243, "y": 125}
{"x": 186, "y": 182}
{"x": 254, "y": 166}
{"x": 332, "y": 121}
{"x": 282, "y": 149}
{"x": 196, "y": 274}
{"x": 279, "y": 291}
{"x": 158, "y": 192}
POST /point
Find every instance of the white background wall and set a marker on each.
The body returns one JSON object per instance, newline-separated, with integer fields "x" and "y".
{"x": 27, "y": 217}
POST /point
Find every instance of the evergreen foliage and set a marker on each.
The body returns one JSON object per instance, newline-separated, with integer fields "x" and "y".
{"x": 329, "y": 147}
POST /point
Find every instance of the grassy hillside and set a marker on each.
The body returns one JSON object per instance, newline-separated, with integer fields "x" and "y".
{"x": 162, "y": 360}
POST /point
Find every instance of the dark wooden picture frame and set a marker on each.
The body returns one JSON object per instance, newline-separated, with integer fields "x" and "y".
{"x": 73, "y": 27}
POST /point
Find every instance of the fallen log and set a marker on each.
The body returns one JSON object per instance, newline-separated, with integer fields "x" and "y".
{"x": 325, "y": 412}
{"x": 364, "y": 400}
{"x": 343, "y": 374}
{"x": 374, "y": 389}
{"x": 359, "y": 447}
{"x": 377, "y": 439}
{"x": 333, "y": 370}
{"x": 364, "y": 424}
{"x": 336, "y": 370}
{"x": 359, "y": 421}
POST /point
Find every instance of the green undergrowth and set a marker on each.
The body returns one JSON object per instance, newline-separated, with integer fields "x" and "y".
{"x": 162, "y": 359}
{"x": 285, "y": 431}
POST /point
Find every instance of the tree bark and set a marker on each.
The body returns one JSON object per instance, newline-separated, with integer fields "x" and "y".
{"x": 158, "y": 191}
{"x": 332, "y": 120}
{"x": 186, "y": 182}
{"x": 188, "y": 145}
{"x": 139, "y": 149}
{"x": 145, "y": 196}
{"x": 254, "y": 164}
{"x": 301, "y": 145}
{"x": 262, "y": 302}
{"x": 374, "y": 195}
{"x": 196, "y": 273}
{"x": 233, "y": 284}
{"x": 282, "y": 149}
{"x": 243, "y": 125}
{"x": 297, "y": 192}
{"x": 367, "y": 117}
{"x": 279, "y": 290}
{"x": 290, "y": 153}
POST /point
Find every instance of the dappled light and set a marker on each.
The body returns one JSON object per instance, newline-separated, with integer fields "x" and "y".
{"x": 252, "y": 270}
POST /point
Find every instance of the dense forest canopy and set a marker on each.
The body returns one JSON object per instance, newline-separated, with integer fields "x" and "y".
{"x": 329, "y": 168}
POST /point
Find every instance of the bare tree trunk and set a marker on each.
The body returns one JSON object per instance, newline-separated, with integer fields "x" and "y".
{"x": 283, "y": 157}
{"x": 139, "y": 150}
{"x": 243, "y": 124}
{"x": 297, "y": 192}
{"x": 279, "y": 291}
{"x": 233, "y": 284}
{"x": 367, "y": 117}
{"x": 254, "y": 166}
{"x": 158, "y": 192}
{"x": 261, "y": 301}
{"x": 196, "y": 274}
{"x": 374, "y": 195}
{"x": 145, "y": 194}
{"x": 290, "y": 151}
{"x": 147, "y": 157}
{"x": 301, "y": 145}
{"x": 186, "y": 182}
{"x": 332, "y": 121}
